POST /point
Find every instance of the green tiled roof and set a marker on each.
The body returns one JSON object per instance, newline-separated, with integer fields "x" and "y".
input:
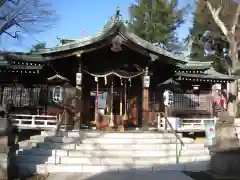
{"x": 207, "y": 74}
{"x": 113, "y": 27}
{"x": 196, "y": 65}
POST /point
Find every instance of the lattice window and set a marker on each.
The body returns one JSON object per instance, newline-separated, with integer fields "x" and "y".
{"x": 191, "y": 101}
{"x": 21, "y": 96}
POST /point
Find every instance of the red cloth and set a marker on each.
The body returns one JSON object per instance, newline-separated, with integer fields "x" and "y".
{"x": 224, "y": 102}
{"x": 217, "y": 101}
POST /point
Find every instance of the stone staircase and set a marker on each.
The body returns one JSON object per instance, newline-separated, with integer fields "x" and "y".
{"x": 109, "y": 151}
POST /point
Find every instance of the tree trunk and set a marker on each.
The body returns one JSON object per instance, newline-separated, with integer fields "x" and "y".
{"x": 232, "y": 104}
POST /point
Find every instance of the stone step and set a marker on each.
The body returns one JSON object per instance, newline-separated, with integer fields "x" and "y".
{"x": 28, "y": 168}
{"x": 38, "y": 139}
{"x": 112, "y": 135}
{"x": 134, "y": 146}
{"x": 109, "y": 160}
{"x": 111, "y": 153}
{"x": 124, "y": 140}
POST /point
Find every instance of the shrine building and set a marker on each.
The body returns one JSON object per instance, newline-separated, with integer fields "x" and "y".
{"x": 105, "y": 79}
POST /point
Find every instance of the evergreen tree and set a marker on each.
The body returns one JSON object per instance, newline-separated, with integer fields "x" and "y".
{"x": 37, "y": 47}
{"x": 156, "y": 21}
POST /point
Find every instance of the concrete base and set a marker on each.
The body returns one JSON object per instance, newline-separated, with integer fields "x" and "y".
{"x": 225, "y": 152}
{"x": 8, "y": 168}
{"x": 226, "y": 164}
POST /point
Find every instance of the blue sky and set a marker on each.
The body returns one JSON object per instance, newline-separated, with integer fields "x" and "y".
{"x": 77, "y": 16}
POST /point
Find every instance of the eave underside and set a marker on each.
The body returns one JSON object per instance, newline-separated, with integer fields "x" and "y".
{"x": 204, "y": 76}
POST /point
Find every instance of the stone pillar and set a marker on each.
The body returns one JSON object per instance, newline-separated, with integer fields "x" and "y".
{"x": 78, "y": 95}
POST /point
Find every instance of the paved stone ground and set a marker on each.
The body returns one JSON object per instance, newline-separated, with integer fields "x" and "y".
{"x": 161, "y": 175}
{"x": 204, "y": 176}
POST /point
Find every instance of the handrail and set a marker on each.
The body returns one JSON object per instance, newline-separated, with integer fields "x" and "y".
{"x": 176, "y": 135}
{"x": 172, "y": 129}
{"x": 59, "y": 123}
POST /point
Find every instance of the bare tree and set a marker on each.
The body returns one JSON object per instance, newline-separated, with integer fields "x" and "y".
{"x": 226, "y": 16}
{"x": 25, "y": 16}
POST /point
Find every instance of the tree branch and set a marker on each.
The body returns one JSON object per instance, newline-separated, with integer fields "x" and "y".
{"x": 14, "y": 2}
{"x": 218, "y": 21}
{"x": 15, "y": 36}
{"x": 235, "y": 20}
{"x": 218, "y": 10}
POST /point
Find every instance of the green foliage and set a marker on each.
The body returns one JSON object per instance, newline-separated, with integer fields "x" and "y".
{"x": 203, "y": 21}
{"x": 157, "y": 22}
{"x": 37, "y": 47}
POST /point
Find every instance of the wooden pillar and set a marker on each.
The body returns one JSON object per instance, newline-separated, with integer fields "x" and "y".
{"x": 109, "y": 100}
{"x": 145, "y": 102}
{"x": 78, "y": 95}
{"x": 145, "y": 98}
{"x": 96, "y": 101}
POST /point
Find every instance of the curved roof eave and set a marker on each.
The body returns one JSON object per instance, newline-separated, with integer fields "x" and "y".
{"x": 208, "y": 74}
{"x": 109, "y": 29}
{"x": 152, "y": 48}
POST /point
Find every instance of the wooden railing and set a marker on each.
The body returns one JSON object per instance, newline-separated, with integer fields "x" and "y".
{"x": 35, "y": 122}
{"x": 193, "y": 124}
{"x": 183, "y": 124}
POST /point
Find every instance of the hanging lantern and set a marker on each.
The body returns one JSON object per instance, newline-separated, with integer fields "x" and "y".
{"x": 96, "y": 79}
{"x": 196, "y": 87}
{"x": 57, "y": 95}
{"x": 168, "y": 98}
{"x": 146, "y": 79}
{"x": 130, "y": 82}
{"x": 105, "y": 80}
{"x": 79, "y": 78}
